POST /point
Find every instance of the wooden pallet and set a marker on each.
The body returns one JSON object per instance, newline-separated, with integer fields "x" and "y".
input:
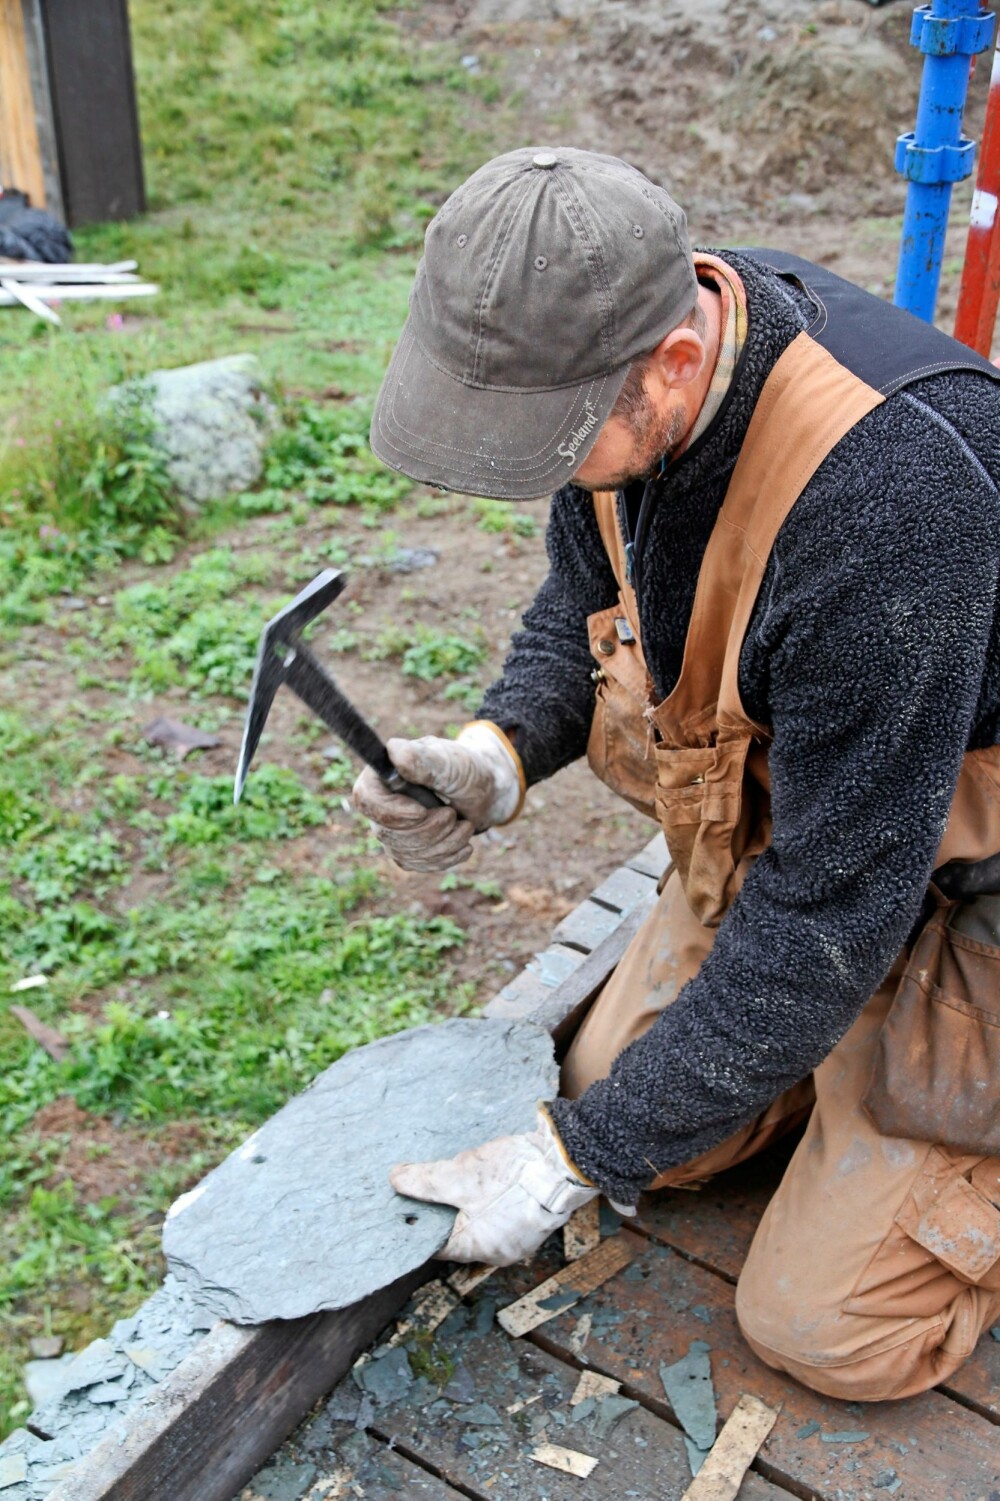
{"x": 687, "y": 1252}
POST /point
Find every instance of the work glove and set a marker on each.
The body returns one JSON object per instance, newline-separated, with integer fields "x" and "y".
{"x": 511, "y": 1194}
{"x": 479, "y": 776}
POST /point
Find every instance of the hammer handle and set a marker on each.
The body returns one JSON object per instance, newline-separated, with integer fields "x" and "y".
{"x": 308, "y": 679}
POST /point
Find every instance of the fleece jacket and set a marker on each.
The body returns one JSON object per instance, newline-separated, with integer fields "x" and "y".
{"x": 873, "y": 654}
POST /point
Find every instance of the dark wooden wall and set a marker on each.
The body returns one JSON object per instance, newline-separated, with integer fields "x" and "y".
{"x": 92, "y": 91}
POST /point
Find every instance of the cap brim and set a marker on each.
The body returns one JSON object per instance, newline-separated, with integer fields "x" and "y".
{"x": 510, "y": 444}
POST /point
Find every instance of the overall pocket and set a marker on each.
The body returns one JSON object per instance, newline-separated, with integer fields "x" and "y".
{"x": 616, "y": 749}
{"x": 936, "y": 1075}
{"x": 707, "y": 821}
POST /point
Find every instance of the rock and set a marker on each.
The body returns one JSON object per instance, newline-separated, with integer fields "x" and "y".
{"x": 46, "y": 1379}
{"x": 211, "y": 420}
{"x": 302, "y": 1217}
{"x": 411, "y": 559}
{"x": 47, "y": 1346}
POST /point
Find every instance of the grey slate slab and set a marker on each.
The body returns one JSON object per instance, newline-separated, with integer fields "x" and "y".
{"x": 302, "y": 1218}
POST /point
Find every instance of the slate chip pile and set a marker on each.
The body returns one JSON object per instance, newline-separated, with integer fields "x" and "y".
{"x": 97, "y": 1390}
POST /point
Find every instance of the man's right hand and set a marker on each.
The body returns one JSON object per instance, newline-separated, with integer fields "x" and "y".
{"x": 478, "y": 775}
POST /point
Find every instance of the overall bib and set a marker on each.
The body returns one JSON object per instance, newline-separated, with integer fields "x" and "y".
{"x": 877, "y": 1264}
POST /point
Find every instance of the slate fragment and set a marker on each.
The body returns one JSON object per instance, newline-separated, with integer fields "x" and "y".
{"x": 386, "y": 1377}
{"x": 302, "y": 1218}
{"x": 173, "y": 734}
{"x": 688, "y": 1385}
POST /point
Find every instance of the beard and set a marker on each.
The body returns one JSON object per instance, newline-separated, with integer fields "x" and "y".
{"x": 656, "y": 435}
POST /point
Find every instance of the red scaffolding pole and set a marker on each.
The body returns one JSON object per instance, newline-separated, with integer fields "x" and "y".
{"x": 980, "y": 290}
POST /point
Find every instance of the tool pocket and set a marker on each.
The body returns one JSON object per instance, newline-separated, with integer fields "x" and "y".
{"x": 619, "y": 748}
{"x": 936, "y": 1075}
{"x": 947, "y": 1230}
{"x": 708, "y": 813}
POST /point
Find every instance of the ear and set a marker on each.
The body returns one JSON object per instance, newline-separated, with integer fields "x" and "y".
{"x": 679, "y": 358}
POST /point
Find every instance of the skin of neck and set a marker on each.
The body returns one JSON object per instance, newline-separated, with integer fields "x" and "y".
{"x": 677, "y": 379}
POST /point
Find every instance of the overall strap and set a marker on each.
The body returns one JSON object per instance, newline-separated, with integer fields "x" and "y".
{"x": 808, "y": 403}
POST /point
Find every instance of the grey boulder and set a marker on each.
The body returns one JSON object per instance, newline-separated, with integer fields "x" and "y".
{"x": 211, "y": 420}
{"x": 302, "y": 1217}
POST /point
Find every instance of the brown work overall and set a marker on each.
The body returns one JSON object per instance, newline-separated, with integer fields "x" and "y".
{"x": 877, "y": 1263}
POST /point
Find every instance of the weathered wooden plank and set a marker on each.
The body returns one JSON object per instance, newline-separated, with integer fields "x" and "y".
{"x": 624, "y": 889}
{"x": 470, "y": 1436}
{"x": 715, "y": 1223}
{"x": 561, "y": 1010}
{"x": 652, "y": 1313}
{"x": 587, "y": 925}
{"x": 358, "y": 1465}
{"x": 20, "y": 151}
{"x": 89, "y": 54}
{"x": 205, "y": 1430}
{"x": 652, "y": 859}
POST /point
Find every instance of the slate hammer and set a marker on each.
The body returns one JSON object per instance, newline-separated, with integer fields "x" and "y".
{"x": 282, "y": 658}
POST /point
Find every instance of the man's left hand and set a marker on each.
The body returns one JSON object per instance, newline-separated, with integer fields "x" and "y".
{"x": 511, "y": 1194}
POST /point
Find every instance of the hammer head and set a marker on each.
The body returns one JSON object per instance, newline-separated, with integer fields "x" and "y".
{"x": 277, "y": 639}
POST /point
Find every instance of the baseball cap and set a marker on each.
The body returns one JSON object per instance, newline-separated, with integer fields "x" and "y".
{"x": 543, "y": 277}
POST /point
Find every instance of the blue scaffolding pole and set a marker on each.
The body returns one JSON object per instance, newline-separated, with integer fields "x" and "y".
{"x": 935, "y": 154}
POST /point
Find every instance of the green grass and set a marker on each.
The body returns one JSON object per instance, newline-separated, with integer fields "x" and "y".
{"x": 204, "y": 961}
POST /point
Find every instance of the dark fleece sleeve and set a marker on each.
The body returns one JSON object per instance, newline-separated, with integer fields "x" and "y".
{"x": 869, "y": 641}
{"x": 546, "y": 689}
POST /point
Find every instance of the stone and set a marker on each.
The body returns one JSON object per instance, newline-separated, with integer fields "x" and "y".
{"x": 47, "y": 1346}
{"x": 386, "y": 1377}
{"x": 412, "y": 559}
{"x": 13, "y": 1470}
{"x": 211, "y": 420}
{"x": 302, "y": 1218}
{"x": 45, "y": 1379}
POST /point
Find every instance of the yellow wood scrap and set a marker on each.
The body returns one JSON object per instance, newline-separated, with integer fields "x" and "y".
{"x": 569, "y": 1461}
{"x": 431, "y": 1306}
{"x": 520, "y": 1406}
{"x": 580, "y": 1333}
{"x": 582, "y": 1231}
{"x": 465, "y": 1279}
{"x": 592, "y": 1384}
{"x": 733, "y": 1452}
{"x": 574, "y": 1281}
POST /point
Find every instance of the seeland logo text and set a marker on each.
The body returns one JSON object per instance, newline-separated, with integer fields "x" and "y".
{"x": 579, "y": 435}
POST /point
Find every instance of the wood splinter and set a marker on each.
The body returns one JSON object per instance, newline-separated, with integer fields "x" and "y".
{"x": 569, "y": 1461}
{"x": 565, "y": 1288}
{"x": 733, "y": 1452}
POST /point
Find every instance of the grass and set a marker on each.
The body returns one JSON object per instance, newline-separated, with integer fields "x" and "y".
{"x": 203, "y": 961}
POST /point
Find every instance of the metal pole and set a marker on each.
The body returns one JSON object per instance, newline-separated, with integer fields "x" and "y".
{"x": 980, "y": 290}
{"x": 935, "y": 154}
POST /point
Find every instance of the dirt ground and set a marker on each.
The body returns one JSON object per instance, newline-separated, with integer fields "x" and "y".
{"x": 773, "y": 123}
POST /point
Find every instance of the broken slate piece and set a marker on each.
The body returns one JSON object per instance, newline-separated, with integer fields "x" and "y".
{"x": 13, "y": 1470}
{"x": 386, "y": 1378}
{"x": 808, "y": 1429}
{"x": 173, "y": 734}
{"x": 688, "y": 1385}
{"x": 610, "y": 1411}
{"x": 481, "y": 1415}
{"x": 849, "y": 1436}
{"x": 302, "y": 1217}
{"x": 696, "y": 1456}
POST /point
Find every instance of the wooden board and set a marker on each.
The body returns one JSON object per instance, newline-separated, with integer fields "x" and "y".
{"x": 20, "y": 150}
{"x": 653, "y": 1312}
{"x": 224, "y": 1410}
{"x": 94, "y": 108}
{"x": 642, "y": 1455}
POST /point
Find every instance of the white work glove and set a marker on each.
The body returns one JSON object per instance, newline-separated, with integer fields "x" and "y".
{"x": 479, "y": 775}
{"x": 511, "y": 1194}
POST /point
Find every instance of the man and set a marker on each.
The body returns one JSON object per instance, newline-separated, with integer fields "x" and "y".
{"x": 771, "y": 620}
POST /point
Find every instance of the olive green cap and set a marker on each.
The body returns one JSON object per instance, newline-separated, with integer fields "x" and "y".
{"x": 543, "y": 277}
